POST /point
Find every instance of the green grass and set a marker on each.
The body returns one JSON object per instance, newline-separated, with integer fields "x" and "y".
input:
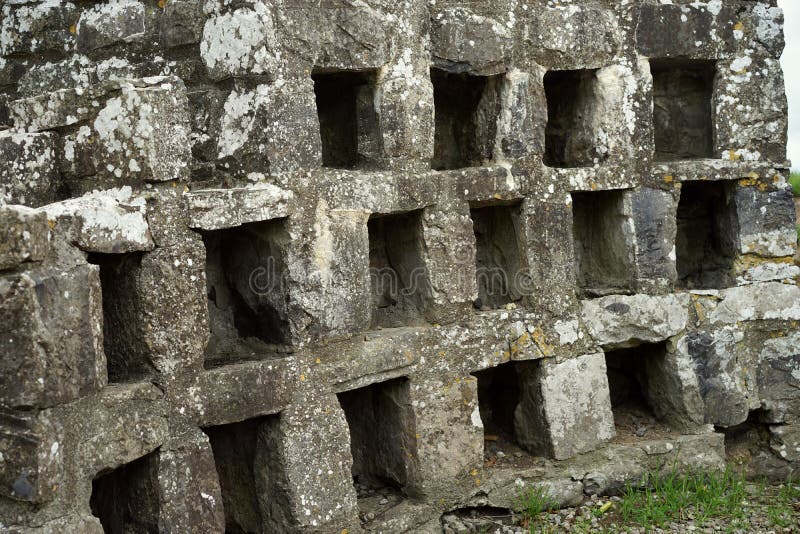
{"x": 677, "y": 497}
{"x": 780, "y": 510}
{"x": 535, "y": 501}
{"x": 794, "y": 179}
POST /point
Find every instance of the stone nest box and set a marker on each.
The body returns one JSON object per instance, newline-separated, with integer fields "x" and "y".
{"x": 335, "y": 266}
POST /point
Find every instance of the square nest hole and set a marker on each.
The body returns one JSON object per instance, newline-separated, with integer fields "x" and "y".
{"x": 501, "y": 266}
{"x": 604, "y": 241}
{"x": 246, "y": 278}
{"x": 707, "y": 235}
{"x": 569, "y": 135}
{"x": 682, "y": 109}
{"x": 466, "y": 111}
{"x": 127, "y": 498}
{"x": 399, "y": 280}
{"x": 251, "y": 474}
{"x": 382, "y": 442}
{"x": 638, "y": 382}
{"x": 512, "y": 435}
{"x": 127, "y": 356}
{"x": 349, "y": 122}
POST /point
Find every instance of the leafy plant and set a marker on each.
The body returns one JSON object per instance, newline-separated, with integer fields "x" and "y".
{"x": 794, "y": 179}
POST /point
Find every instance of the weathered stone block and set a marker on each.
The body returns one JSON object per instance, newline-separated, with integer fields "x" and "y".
{"x": 32, "y": 457}
{"x": 654, "y": 223}
{"x": 182, "y": 23}
{"x": 779, "y": 378}
{"x": 52, "y": 338}
{"x": 462, "y": 41}
{"x": 667, "y": 30}
{"x": 765, "y": 222}
{"x": 110, "y": 23}
{"x": 37, "y": 26}
{"x": 28, "y": 168}
{"x": 565, "y": 408}
{"x": 215, "y": 209}
{"x": 23, "y": 236}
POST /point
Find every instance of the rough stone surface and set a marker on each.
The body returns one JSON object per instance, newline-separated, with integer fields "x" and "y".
{"x": 313, "y": 266}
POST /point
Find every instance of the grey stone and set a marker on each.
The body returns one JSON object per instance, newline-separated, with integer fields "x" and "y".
{"x": 23, "y": 236}
{"x": 110, "y": 23}
{"x": 28, "y": 169}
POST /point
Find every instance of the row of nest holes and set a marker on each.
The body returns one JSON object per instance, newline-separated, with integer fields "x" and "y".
{"x": 251, "y": 467}
{"x": 250, "y": 312}
{"x": 467, "y": 108}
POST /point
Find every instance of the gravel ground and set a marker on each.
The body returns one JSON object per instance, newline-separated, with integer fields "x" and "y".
{"x": 763, "y": 512}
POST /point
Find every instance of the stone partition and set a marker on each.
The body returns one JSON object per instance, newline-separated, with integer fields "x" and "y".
{"x": 343, "y": 266}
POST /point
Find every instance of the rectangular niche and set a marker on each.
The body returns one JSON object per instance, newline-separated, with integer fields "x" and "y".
{"x": 246, "y": 278}
{"x": 707, "y": 235}
{"x": 507, "y": 426}
{"x": 569, "y": 135}
{"x": 682, "y": 110}
{"x": 639, "y": 384}
{"x": 251, "y": 474}
{"x": 349, "y": 122}
{"x": 127, "y": 356}
{"x": 501, "y": 266}
{"x": 603, "y": 236}
{"x": 466, "y": 111}
{"x": 127, "y": 498}
{"x": 382, "y": 442}
{"x": 400, "y": 290}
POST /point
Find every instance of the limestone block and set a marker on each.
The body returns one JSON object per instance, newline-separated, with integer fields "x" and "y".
{"x": 215, "y": 209}
{"x": 785, "y": 442}
{"x": 38, "y": 26}
{"x": 182, "y": 23}
{"x": 565, "y": 408}
{"x": 406, "y": 111}
{"x": 770, "y": 300}
{"x": 675, "y": 30}
{"x": 450, "y": 434}
{"x": 240, "y": 42}
{"x": 109, "y": 23}
{"x": 572, "y": 36}
{"x": 462, "y": 41}
{"x": 109, "y": 222}
{"x": 32, "y": 456}
{"x": 23, "y": 236}
{"x": 766, "y": 222}
{"x": 271, "y": 129}
{"x": 51, "y": 337}
{"x": 654, "y": 221}
{"x": 619, "y": 321}
{"x": 521, "y": 104}
{"x": 779, "y": 378}
{"x": 191, "y": 500}
{"x": 28, "y": 168}
{"x": 673, "y": 390}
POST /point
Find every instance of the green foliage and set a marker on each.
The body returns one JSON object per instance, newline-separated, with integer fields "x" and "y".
{"x": 794, "y": 179}
{"x": 675, "y": 497}
{"x": 534, "y": 502}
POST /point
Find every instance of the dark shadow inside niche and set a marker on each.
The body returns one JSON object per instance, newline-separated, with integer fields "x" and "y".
{"x": 382, "y": 439}
{"x": 466, "y": 109}
{"x": 639, "y": 401}
{"x": 251, "y": 474}
{"x": 127, "y": 356}
{"x": 246, "y": 278}
{"x": 603, "y": 239}
{"x": 498, "y": 397}
{"x": 399, "y": 280}
{"x": 127, "y": 498}
{"x": 682, "y": 110}
{"x": 569, "y": 135}
{"x": 500, "y": 257}
{"x": 349, "y": 120}
{"x": 707, "y": 235}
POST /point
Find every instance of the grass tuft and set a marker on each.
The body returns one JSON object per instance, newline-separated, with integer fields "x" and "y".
{"x": 794, "y": 179}
{"x": 678, "y": 497}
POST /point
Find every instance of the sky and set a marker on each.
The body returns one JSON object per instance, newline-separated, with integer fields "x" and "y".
{"x": 791, "y": 68}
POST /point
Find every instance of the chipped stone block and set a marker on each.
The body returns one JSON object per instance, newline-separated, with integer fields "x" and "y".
{"x": 182, "y": 23}
{"x": 785, "y": 442}
{"x": 215, "y": 209}
{"x": 462, "y": 41}
{"x": 116, "y": 21}
{"x": 519, "y": 113}
{"x": 108, "y": 222}
{"x": 33, "y": 456}
{"x": 619, "y": 321}
{"x": 28, "y": 168}
{"x": 51, "y": 336}
{"x": 271, "y": 129}
{"x": 565, "y": 408}
{"x": 23, "y": 236}
{"x": 769, "y": 300}
{"x": 674, "y": 30}
{"x": 765, "y": 222}
{"x": 407, "y": 116}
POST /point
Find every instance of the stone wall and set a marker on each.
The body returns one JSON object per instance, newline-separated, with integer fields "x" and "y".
{"x": 332, "y": 266}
